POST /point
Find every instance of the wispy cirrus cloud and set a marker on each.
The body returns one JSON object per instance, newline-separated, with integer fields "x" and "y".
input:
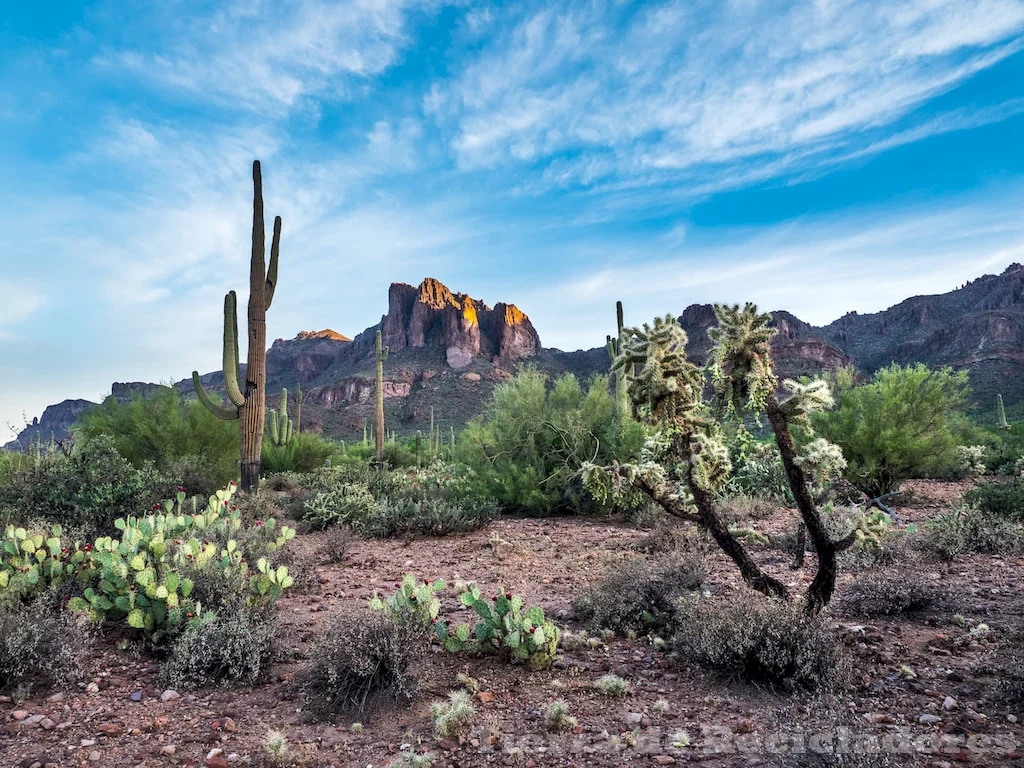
{"x": 268, "y": 57}
{"x": 597, "y": 91}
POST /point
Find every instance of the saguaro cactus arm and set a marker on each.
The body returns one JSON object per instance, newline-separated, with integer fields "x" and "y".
{"x": 230, "y": 362}
{"x": 275, "y": 249}
{"x": 228, "y": 414}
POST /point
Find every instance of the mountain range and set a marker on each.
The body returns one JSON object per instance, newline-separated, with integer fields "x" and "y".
{"x": 448, "y": 351}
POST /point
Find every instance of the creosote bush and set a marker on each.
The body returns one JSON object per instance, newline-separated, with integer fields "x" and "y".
{"x": 964, "y": 530}
{"x": 89, "y": 489}
{"x": 641, "y": 596}
{"x": 42, "y": 643}
{"x": 891, "y": 593}
{"x": 761, "y": 641}
{"x": 234, "y": 648}
{"x": 998, "y": 498}
{"x": 360, "y": 663}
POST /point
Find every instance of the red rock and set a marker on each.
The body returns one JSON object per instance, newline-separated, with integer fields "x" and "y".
{"x": 485, "y": 697}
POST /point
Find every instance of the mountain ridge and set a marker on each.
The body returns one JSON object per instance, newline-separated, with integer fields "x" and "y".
{"x": 449, "y": 350}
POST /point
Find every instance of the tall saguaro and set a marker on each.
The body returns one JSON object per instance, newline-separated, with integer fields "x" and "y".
{"x": 614, "y": 346}
{"x": 382, "y": 355}
{"x": 249, "y": 407}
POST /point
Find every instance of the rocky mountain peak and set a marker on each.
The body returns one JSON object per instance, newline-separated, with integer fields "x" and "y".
{"x": 431, "y": 315}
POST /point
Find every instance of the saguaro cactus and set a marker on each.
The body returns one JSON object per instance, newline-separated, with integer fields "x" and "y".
{"x": 298, "y": 407}
{"x": 382, "y": 355}
{"x": 1001, "y": 413}
{"x": 614, "y": 346}
{"x": 249, "y": 407}
{"x": 281, "y": 429}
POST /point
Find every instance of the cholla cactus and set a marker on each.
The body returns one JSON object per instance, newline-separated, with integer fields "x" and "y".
{"x": 452, "y": 717}
{"x": 688, "y": 464}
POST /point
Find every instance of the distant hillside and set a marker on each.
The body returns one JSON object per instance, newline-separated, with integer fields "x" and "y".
{"x": 449, "y": 351}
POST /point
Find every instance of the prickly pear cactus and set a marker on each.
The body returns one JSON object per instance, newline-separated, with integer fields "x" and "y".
{"x": 413, "y": 603}
{"x": 506, "y": 626}
{"x": 30, "y": 561}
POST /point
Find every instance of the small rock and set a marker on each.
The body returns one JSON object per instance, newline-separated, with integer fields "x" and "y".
{"x": 109, "y": 729}
{"x": 136, "y": 696}
{"x": 34, "y": 720}
{"x": 1011, "y": 718}
{"x": 168, "y": 750}
{"x": 663, "y": 759}
{"x": 169, "y": 695}
{"x": 58, "y": 696}
{"x": 634, "y": 718}
{"x": 47, "y": 724}
{"x": 87, "y": 743}
{"x": 949, "y": 703}
{"x": 216, "y": 762}
{"x": 19, "y": 714}
{"x": 5, "y": 699}
{"x": 927, "y": 719}
{"x": 92, "y": 688}
{"x": 95, "y": 756}
{"x": 485, "y": 697}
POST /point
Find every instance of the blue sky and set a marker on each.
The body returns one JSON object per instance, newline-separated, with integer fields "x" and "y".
{"x": 814, "y": 156}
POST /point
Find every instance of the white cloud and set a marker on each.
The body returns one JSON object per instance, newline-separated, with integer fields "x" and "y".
{"x": 267, "y": 57}
{"x": 18, "y": 302}
{"x": 672, "y": 87}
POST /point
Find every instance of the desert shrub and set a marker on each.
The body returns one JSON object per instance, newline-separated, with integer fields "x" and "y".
{"x": 341, "y": 505}
{"x": 437, "y": 500}
{"x": 194, "y": 474}
{"x": 640, "y": 596}
{"x": 999, "y": 498}
{"x": 742, "y": 507}
{"x": 969, "y": 461}
{"x": 162, "y": 429}
{"x": 899, "y": 426}
{"x": 759, "y": 473}
{"x": 41, "y": 643}
{"x": 529, "y": 445}
{"x": 234, "y": 648}
{"x": 428, "y": 517}
{"x": 89, "y": 489}
{"x": 965, "y": 530}
{"x": 892, "y": 593}
{"x": 761, "y": 641}
{"x": 359, "y": 663}
{"x": 335, "y": 545}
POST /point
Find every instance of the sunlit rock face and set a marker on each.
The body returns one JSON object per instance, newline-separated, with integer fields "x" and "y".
{"x": 459, "y": 325}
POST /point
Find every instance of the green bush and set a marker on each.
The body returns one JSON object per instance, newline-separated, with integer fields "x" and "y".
{"x": 999, "y": 498}
{"x": 359, "y": 663}
{"x": 965, "y": 530}
{"x": 162, "y": 429}
{"x": 528, "y": 447}
{"x": 899, "y": 426}
{"x": 437, "y": 500}
{"x": 428, "y": 517}
{"x": 236, "y": 648}
{"x": 640, "y": 596}
{"x": 759, "y": 641}
{"x": 89, "y": 489}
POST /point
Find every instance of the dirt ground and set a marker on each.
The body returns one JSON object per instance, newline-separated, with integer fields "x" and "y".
{"x": 956, "y": 710}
